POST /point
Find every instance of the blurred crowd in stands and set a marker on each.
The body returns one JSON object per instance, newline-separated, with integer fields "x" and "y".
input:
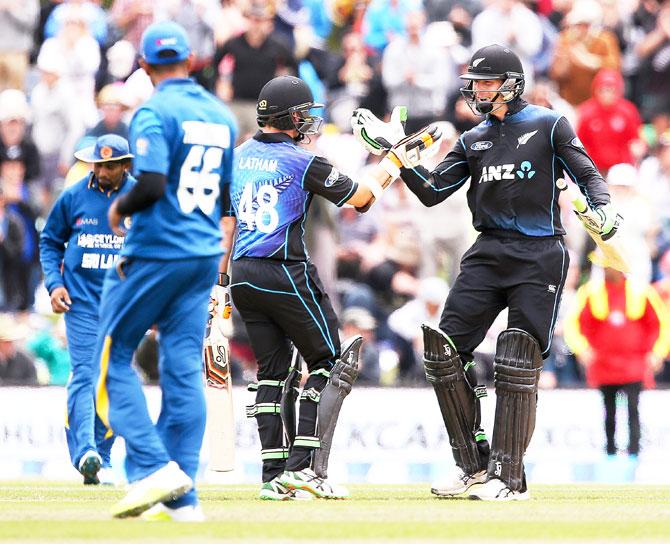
{"x": 68, "y": 73}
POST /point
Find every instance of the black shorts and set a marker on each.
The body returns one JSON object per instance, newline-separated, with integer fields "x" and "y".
{"x": 280, "y": 301}
{"x": 524, "y": 274}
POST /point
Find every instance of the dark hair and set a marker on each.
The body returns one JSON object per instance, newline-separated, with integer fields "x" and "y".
{"x": 160, "y": 69}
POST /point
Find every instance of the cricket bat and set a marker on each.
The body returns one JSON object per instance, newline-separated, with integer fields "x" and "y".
{"x": 218, "y": 394}
{"x": 613, "y": 247}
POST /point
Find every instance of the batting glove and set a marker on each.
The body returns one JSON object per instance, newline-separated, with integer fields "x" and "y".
{"x": 413, "y": 149}
{"x": 609, "y": 220}
{"x": 377, "y": 136}
{"x": 221, "y": 296}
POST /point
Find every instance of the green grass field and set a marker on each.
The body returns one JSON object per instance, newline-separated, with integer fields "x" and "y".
{"x": 39, "y": 512}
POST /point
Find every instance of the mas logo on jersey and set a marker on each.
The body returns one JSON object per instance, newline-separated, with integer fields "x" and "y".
{"x": 481, "y": 146}
{"x": 507, "y": 171}
{"x": 332, "y": 177}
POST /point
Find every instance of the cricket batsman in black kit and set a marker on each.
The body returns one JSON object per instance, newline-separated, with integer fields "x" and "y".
{"x": 278, "y": 293}
{"x": 512, "y": 160}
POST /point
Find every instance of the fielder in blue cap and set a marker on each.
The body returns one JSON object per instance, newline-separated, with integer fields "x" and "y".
{"x": 77, "y": 247}
{"x": 182, "y": 139}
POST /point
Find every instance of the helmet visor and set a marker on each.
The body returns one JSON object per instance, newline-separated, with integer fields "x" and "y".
{"x": 304, "y": 120}
{"x": 511, "y": 86}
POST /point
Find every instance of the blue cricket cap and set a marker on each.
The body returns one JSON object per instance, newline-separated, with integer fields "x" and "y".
{"x": 164, "y": 43}
{"x": 108, "y": 147}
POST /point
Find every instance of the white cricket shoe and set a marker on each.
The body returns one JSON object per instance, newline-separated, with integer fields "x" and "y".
{"x": 307, "y": 480}
{"x": 106, "y": 476}
{"x": 189, "y": 513}
{"x": 166, "y": 484}
{"x": 458, "y": 484}
{"x": 275, "y": 491}
{"x": 89, "y": 466}
{"x": 496, "y": 490}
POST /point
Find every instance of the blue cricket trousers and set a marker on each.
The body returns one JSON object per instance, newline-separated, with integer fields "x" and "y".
{"x": 172, "y": 295}
{"x": 83, "y": 430}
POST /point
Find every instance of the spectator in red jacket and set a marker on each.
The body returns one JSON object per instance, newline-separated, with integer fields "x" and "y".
{"x": 608, "y": 124}
{"x": 620, "y": 331}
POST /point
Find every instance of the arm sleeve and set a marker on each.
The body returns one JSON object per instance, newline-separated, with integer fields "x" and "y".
{"x": 434, "y": 187}
{"x": 323, "y": 179}
{"x": 227, "y": 175}
{"x": 227, "y": 209}
{"x": 148, "y": 144}
{"x": 52, "y": 242}
{"x": 149, "y": 189}
{"x": 578, "y": 164}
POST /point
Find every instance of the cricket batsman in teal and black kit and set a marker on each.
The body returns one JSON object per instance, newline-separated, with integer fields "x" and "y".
{"x": 77, "y": 247}
{"x": 182, "y": 139}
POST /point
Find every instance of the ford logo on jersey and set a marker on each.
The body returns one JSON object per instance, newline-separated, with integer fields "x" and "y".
{"x": 481, "y": 146}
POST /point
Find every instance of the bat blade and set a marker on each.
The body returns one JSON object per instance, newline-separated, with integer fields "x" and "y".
{"x": 220, "y": 429}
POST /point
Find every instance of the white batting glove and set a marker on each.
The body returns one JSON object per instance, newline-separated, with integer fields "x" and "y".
{"x": 415, "y": 148}
{"x": 377, "y": 136}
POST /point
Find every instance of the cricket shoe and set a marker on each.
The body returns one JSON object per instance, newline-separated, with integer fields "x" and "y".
{"x": 89, "y": 466}
{"x": 496, "y": 490}
{"x": 166, "y": 484}
{"x": 275, "y": 491}
{"x": 307, "y": 480}
{"x": 159, "y": 512}
{"x": 458, "y": 484}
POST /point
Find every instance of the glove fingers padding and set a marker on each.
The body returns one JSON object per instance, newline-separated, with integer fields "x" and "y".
{"x": 457, "y": 398}
{"x": 413, "y": 149}
{"x": 342, "y": 378}
{"x": 377, "y": 136}
{"x": 517, "y": 367}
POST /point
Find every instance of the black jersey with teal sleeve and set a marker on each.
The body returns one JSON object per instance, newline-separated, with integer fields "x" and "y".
{"x": 274, "y": 181}
{"x": 513, "y": 166}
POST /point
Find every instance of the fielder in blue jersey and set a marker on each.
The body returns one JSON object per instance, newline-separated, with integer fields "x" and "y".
{"x": 77, "y": 247}
{"x": 183, "y": 140}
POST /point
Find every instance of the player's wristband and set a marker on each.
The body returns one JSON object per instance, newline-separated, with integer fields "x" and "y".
{"x": 391, "y": 164}
{"x": 224, "y": 279}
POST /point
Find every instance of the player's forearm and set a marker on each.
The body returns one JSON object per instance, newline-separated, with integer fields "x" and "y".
{"x": 52, "y": 253}
{"x": 421, "y": 182}
{"x": 228, "y": 227}
{"x": 149, "y": 189}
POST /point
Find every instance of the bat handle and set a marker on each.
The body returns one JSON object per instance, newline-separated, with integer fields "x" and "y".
{"x": 576, "y": 197}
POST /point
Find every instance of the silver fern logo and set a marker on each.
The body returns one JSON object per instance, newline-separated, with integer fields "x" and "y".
{"x": 524, "y": 139}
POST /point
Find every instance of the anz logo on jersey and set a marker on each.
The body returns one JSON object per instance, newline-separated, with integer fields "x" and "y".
{"x": 507, "y": 171}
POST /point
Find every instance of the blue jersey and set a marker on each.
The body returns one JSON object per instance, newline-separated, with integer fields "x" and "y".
{"x": 186, "y": 134}
{"x": 77, "y": 236}
{"x": 273, "y": 184}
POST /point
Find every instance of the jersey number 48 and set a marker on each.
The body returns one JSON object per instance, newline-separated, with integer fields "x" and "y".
{"x": 259, "y": 213}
